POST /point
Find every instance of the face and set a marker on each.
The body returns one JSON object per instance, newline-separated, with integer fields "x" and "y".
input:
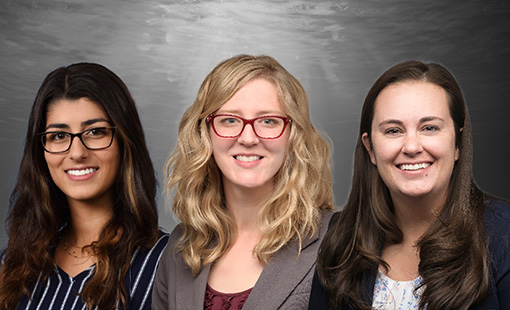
{"x": 82, "y": 174}
{"x": 413, "y": 139}
{"x": 249, "y": 161}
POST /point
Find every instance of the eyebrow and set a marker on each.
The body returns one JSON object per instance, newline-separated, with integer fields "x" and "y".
{"x": 83, "y": 124}
{"x": 422, "y": 120}
{"x": 237, "y": 112}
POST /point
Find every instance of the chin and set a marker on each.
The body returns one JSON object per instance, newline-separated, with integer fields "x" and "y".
{"x": 415, "y": 193}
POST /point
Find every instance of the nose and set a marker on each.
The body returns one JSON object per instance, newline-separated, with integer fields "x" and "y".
{"x": 77, "y": 150}
{"x": 248, "y": 136}
{"x": 412, "y": 145}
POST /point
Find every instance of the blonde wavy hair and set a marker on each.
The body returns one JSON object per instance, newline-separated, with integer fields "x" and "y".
{"x": 303, "y": 185}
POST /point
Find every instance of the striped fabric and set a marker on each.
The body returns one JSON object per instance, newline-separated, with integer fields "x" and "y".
{"x": 60, "y": 291}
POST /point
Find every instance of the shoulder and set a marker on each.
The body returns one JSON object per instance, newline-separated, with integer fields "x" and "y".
{"x": 170, "y": 259}
{"x": 175, "y": 235}
{"x": 497, "y": 218}
{"x": 497, "y": 230}
{"x": 175, "y": 287}
{"x": 497, "y": 210}
{"x": 140, "y": 278}
{"x": 160, "y": 244}
{"x": 319, "y": 298}
{"x": 149, "y": 257}
{"x": 327, "y": 218}
{"x": 173, "y": 239}
{"x": 334, "y": 218}
{"x": 145, "y": 261}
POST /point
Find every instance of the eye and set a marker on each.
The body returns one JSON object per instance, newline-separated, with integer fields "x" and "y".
{"x": 392, "y": 131}
{"x": 96, "y": 132}
{"x": 270, "y": 121}
{"x": 430, "y": 128}
{"x": 57, "y": 136}
{"x": 229, "y": 121}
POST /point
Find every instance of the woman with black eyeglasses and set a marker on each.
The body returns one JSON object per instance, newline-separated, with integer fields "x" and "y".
{"x": 252, "y": 189}
{"x": 82, "y": 222}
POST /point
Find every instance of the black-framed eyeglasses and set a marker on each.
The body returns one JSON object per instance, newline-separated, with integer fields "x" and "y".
{"x": 264, "y": 127}
{"x": 96, "y": 138}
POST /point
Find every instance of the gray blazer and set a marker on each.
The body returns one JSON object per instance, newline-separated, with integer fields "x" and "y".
{"x": 285, "y": 282}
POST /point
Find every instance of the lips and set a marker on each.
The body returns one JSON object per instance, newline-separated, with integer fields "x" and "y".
{"x": 81, "y": 172}
{"x": 413, "y": 167}
{"x": 248, "y": 158}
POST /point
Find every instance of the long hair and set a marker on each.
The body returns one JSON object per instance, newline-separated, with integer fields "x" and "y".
{"x": 38, "y": 208}
{"x": 453, "y": 255}
{"x": 303, "y": 185}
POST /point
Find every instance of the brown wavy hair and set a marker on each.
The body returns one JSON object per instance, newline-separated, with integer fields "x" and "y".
{"x": 453, "y": 255}
{"x": 303, "y": 185}
{"x": 38, "y": 208}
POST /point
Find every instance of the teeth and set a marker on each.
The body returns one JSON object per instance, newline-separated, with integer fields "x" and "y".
{"x": 81, "y": 172}
{"x": 247, "y": 158}
{"x": 415, "y": 166}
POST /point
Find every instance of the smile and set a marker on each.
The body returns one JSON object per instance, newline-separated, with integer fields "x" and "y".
{"x": 247, "y": 158}
{"x": 411, "y": 167}
{"x": 81, "y": 171}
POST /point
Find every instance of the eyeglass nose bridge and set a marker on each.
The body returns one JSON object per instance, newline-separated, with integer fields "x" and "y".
{"x": 74, "y": 135}
{"x": 250, "y": 122}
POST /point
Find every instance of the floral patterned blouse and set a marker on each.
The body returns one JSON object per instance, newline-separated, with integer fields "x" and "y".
{"x": 396, "y": 295}
{"x": 215, "y": 300}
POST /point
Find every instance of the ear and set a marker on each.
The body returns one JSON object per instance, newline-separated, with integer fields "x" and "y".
{"x": 368, "y": 147}
{"x": 457, "y": 151}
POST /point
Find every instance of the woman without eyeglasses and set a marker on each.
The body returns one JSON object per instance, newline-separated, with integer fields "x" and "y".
{"x": 82, "y": 222}
{"x": 416, "y": 231}
{"x": 252, "y": 188}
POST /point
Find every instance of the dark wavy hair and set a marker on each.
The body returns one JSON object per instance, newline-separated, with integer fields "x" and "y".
{"x": 38, "y": 209}
{"x": 453, "y": 255}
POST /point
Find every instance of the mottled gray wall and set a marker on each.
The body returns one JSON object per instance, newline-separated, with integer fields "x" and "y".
{"x": 164, "y": 49}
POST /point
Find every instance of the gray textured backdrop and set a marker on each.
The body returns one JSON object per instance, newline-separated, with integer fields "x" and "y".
{"x": 164, "y": 49}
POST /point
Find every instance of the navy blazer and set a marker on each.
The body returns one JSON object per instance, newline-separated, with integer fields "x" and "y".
{"x": 497, "y": 230}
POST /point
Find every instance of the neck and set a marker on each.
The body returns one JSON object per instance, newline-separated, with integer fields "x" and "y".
{"x": 88, "y": 220}
{"x": 414, "y": 215}
{"x": 244, "y": 204}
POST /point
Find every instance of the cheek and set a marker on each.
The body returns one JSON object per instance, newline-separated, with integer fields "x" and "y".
{"x": 280, "y": 148}
{"x": 114, "y": 160}
{"x": 219, "y": 145}
{"x": 383, "y": 152}
{"x": 52, "y": 162}
{"x": 111, "y": 158}
{"x": 444, "y": 148}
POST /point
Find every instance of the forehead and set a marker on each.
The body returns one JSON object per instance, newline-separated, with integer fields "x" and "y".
{"x": 411, "y": 99}
{"x": 258, "y": 94}
{"x": 70, "y": 111}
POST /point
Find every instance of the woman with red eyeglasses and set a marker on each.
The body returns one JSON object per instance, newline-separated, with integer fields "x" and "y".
{"x": 251, "y": 181}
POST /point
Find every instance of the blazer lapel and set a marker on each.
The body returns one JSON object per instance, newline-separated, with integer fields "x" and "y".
{"x": 284, "y": 272}
{"x": 199, "y": 286}
{"x": 190, "y": 291}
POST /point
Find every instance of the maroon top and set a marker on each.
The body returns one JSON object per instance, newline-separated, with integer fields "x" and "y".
{"x": 215, "y": 300}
